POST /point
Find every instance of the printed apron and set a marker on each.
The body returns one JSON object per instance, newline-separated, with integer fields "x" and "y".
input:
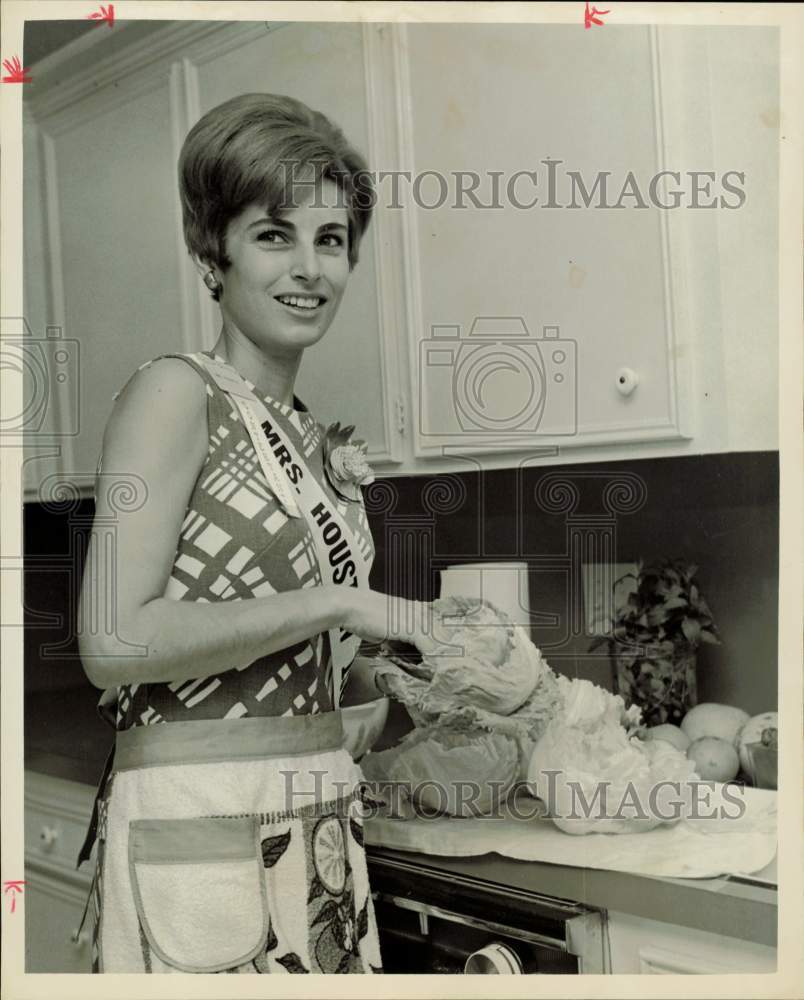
{"x": 233, "y": 846}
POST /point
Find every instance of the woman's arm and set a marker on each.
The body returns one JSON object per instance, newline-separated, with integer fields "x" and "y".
{"x": 158, "y": 433}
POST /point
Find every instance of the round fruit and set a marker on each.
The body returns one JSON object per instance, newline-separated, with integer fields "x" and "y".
{"x": 723, "y": 722}
{"x": 328, "y": 854}
{"x": 714, "y": 759}
{"x": 670, "y": 734}
{"x": 752, "y": 733}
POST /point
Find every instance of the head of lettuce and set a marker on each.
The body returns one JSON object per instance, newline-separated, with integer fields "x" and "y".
{"x": 489, "y": 713}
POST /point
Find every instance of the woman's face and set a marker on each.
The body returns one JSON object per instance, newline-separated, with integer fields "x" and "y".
{"x": 288, "y": 273}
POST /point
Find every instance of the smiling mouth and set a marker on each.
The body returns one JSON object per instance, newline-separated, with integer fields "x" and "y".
{"x": 301, "y": 303}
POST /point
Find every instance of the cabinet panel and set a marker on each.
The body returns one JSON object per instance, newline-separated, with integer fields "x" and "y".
{"x": 115, "y": 190}
{"x": 41, "y": 392}
{"x": 57, "y": 814}
{"x": 52, "y": 916}
{"x": 653, "y": 947}
{"x": 598, "y": 275}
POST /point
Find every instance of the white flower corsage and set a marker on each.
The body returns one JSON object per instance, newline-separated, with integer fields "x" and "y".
{"x": 345, "y": 462}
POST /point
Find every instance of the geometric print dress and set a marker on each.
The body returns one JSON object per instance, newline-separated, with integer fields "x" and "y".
{"x": 236, "y": 543}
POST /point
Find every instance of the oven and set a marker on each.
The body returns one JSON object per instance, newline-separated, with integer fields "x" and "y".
{"x": 432, "y": 921}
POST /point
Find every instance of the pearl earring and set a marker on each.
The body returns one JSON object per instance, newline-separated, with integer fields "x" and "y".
{"x": 211, "y": 281}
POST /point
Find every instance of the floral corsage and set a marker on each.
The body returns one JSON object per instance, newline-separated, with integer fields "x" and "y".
{"x": 345, "y": 462}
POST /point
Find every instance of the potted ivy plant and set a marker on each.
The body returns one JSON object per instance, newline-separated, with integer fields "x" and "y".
{"x": 654, "y": 637}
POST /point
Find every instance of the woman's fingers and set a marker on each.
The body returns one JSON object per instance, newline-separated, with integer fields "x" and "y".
{"x": 376, "y": 616}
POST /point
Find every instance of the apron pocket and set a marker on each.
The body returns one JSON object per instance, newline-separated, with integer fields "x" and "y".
{"x": 199, "y": 889}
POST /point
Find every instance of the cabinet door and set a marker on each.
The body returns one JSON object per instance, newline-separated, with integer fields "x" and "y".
{"x": 656, "y": 948}
{"x": 532, "y": 321}
{"x": 57, "y": 813}
{"x": 53, "y": 909}
{"x": 105, "y": 170}
{"x": 31, "y": 342}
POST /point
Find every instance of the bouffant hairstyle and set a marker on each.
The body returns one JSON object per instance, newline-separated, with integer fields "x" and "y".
{"x": 263, "y": 149}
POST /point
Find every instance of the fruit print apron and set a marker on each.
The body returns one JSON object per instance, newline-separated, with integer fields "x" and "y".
{"x": 234, "y": 846}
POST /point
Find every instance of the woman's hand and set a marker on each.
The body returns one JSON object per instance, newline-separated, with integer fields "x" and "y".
{"x": 375, "y": 616}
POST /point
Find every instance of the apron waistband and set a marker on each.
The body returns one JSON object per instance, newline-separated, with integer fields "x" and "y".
{"x": 206, "y": 740}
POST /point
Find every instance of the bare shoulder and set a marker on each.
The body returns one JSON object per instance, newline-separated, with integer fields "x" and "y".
{"x": 165, "y": 381}
{"x": 159, "y": 417}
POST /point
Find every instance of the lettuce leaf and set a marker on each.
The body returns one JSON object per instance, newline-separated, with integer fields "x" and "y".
{"x": 446, "y": 771}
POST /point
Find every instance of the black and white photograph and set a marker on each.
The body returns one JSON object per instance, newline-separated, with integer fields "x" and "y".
{"x": 401, "y": 541}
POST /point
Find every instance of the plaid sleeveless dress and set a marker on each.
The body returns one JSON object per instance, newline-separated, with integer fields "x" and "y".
{"x": 236, "y": 542}
{"x": 205, "y": 861}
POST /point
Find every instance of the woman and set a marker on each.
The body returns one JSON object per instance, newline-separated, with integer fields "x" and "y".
{"x": 229, "y": 839}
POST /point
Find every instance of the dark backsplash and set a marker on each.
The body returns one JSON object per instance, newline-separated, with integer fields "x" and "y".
{"x": 720, "y": 512}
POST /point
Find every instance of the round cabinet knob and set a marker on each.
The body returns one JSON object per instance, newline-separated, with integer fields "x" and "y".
{"x": 48, "y": 835}
{"x": 627, "y": 381}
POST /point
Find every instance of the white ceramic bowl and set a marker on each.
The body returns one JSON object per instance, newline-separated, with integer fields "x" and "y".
{"x": 363, "y": 725}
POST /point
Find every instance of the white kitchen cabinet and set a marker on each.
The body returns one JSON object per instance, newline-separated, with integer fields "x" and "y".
{"x": 640, "y": 946}
{"x": 589, "y": 295}
{"x": 642, "y": 293}
{"x": 57, "y": 812}
{"x": 571, "y": 296}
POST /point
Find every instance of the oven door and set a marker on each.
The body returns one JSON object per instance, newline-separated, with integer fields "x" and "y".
{"x": 432, "y": 922}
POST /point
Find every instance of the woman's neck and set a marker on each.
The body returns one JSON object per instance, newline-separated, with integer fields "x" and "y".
{"x": 272, "y": 376}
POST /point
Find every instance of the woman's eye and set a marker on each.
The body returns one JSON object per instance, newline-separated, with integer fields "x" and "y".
{"x": 271, "y": 236}
{"x": 331, "y": 240}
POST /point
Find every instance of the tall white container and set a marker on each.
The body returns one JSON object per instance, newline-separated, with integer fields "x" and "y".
{"x": 504, "y": 584}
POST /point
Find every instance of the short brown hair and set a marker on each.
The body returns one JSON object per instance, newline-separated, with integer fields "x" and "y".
{"x": 238, "y": 154}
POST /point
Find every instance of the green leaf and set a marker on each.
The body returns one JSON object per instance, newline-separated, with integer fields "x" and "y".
{"x": 316, "y": 889}
{"x": 328, "y": 912}
{"x": 357, "y": 830}
{"x": 657, "y": 615}
{"x": 707, "y": 636}
{"x": 691, "y": 629}
{"x": 292, "y": 962}
{"x": 362, "y": 921}
{"x": 272, "y": 941}
{"x": 273, "y": 848}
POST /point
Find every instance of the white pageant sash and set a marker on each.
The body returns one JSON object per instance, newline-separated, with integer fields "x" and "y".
{"x": 300, "y": 494}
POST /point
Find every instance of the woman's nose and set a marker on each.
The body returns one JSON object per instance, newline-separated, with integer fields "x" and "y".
{"x": 305, "y": 266}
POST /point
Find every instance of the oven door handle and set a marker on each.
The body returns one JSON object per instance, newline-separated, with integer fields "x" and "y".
{"x": 583, "y": 933}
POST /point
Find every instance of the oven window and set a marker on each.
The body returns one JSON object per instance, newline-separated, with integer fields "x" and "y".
{"x": 445, "y": 946}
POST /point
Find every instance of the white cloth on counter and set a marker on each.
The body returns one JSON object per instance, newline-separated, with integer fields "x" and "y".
{"x": 701, "y": 848}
